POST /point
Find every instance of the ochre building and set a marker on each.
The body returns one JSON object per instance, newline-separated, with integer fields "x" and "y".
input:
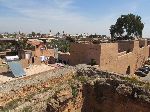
{"x": 123, "y": 57}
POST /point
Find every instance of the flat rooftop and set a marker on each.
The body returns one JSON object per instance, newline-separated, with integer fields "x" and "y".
{"x": 31, "y": 70}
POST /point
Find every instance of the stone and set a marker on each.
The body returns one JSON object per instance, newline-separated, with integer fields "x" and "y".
{"x": 124, "y": 90}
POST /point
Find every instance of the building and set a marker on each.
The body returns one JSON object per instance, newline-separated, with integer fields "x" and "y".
{"x": 123, "y": 57}
{"x": 40, "y": 48}
{"x": 63, "y": 57}
{"x": 28, "y": 57}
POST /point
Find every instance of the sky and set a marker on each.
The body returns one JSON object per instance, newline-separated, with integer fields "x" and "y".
{"x": 71, "y": 16}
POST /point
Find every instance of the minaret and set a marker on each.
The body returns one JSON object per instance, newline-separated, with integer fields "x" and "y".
{"x": 50, "y": 33}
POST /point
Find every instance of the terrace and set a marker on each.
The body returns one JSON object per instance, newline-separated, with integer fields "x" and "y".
{"x": 31, "y": 70}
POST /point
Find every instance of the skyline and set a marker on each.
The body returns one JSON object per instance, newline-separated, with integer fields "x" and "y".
{"x": 72, "y": 16}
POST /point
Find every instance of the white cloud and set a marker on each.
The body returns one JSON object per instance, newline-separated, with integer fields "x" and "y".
{"x": 57, "y": 15}
{"x": 63, "y": 3}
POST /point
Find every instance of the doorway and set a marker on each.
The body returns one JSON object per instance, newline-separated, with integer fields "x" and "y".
{"x": 128, "y": 70}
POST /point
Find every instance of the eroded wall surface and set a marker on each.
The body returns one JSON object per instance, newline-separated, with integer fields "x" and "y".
{"x": 75, "y": 89}
{"x": 83, "y": 53}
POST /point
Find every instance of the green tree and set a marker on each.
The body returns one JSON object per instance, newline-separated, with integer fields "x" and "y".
{"x": 1, "y": 36}
{"x": 62, "y": 45}
{"x": 33, "y": 34}
{"x": 127, "y": 27}
{"x": 58, "y": 34}
{"x": 68, "y": 38}
{"x": 23, "y": 45}
{"x": 39, "y": 34}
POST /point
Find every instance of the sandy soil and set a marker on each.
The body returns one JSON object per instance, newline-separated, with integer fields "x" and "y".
{"x": 31, "y": 70}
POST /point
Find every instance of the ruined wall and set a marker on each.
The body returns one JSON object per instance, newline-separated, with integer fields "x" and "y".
{"x": 75, "y": 89}
{"x": 64, "y": 57}
{"x": 134, "y": 59}
{"x": 83, "y": 53}
{"x": 123, "y": 62}
{"x": 148, "y": 44}
{"x": 108, "y": 56}
{"x": 105, "y": 98}
{"x": 16, "y": 95}
{"x": 123, "y": 57}
{"x": 125, "y": 46}
{"x": 107, "y": 92}
{"x": 142, "y": 43}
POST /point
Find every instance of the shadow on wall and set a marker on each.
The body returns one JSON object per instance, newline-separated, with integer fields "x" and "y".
{"x": 141, "y": 43}
{"x": 51, "y": 60}
{"x": 125, "y": 46}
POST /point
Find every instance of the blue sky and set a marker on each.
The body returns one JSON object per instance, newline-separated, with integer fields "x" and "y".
{"x": 72, "y": 16}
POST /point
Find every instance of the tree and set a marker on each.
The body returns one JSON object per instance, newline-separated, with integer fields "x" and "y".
{"x": 33, "y": 34}
{"x": 1, "y": 36}
{"x": 68, "y": 38}
{"x": 58, "y": 34}
{"x": 127, "y": 27}
{"x": 38, "y": 34}
{"x": 62, "y": 45}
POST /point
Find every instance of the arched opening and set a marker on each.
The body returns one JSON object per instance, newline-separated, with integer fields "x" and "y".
{"x": 128, "y": 70}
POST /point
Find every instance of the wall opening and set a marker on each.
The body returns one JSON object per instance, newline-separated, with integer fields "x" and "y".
{"x": 32, "y": 60}
{"x": 93, "y": 62}
{"x": 128, "y": 51}
{"x": 125, "y": 46}
{"x": 128, "y": 70}
{"x": 141, "y": 43}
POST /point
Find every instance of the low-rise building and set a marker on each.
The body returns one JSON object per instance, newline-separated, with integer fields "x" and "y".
{"x": 123, "y": 57}
{"x": 63, "y": 57}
